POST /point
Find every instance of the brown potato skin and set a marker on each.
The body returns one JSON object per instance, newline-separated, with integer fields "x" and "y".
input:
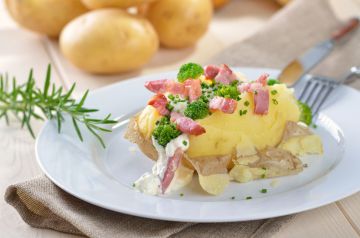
{"x": 180, "y": 23}
{"x": 109, "y": 41}
{"x": 45, "y": 16}
{"x": 220, "y": 3}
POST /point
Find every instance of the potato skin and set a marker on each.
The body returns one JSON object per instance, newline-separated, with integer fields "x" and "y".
{"x": 180, "y": 23}
{"x": 220, "y": 3}
{"x": 109, "y": 41}
{"x": 95, "y": 4}
{"x": 45, "y": 16}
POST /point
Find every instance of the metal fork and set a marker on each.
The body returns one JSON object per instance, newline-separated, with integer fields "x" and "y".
{"x": 317, "y": 89}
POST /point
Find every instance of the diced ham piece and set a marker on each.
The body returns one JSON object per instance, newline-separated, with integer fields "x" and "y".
{"x": 172, "y": 165}
{"x": 193, "y": 89}
{"x": 156, "y": 86}
{"x": 261, "y": 101}
{"x": 164, "y": 85}
{"x": 225, "y": 75}
{"x": 226, "y": 105}
{"x": 211, "y": 71}
{"x": 244, "y": 87}
{"x": 175, "y": 87}
{"x": 159, "y": 101}
{"x": 263, "y": 79}
{"x": 187, "y": 125}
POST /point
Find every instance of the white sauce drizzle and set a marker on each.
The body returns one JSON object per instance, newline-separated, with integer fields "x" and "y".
{"x": 150, "y": 183}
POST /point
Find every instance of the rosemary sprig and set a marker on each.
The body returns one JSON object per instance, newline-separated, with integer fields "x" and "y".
{"x": 27, "y": 102}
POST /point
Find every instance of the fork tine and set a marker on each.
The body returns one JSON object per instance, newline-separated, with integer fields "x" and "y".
{"x": 313, "y": 94}
{"x": 303, "y": 92}
{"x": 316, "y": 109}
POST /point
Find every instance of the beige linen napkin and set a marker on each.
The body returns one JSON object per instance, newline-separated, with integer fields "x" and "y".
{"x": 297, "y": 27}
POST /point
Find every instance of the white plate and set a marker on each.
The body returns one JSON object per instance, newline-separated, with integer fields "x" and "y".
{"x": 104, "y": 177}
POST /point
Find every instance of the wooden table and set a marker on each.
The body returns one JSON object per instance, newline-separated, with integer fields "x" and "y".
{"x": 17, "y": 157}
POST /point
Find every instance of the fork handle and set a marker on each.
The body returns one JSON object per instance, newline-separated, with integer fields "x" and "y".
{"x": 350, "y": 26}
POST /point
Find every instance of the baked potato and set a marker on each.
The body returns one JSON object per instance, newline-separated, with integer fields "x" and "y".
{"x": 229, "y": 128}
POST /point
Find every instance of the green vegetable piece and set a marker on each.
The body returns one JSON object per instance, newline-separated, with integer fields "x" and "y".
{"x": 248, "y": 198}
{"x": 264, "y": 190}
{"x": 189, "y": 71}
{"x": 227, "y": 91}
{"x": 272, "y": 82}
{"x": 165, "y": 131}
{"x": 197, "y": 110}
{"x": 305, "y": 113}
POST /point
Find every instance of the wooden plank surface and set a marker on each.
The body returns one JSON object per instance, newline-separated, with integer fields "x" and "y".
{"x": 17, "y": 158}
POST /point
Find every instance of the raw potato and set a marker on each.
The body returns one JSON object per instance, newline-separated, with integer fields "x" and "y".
{"x": 109, "y": 41}
{"x": 95, "y": 4}
{"x": 180, "y": 23}
{"x": 220, "y": 3}
{"x": 45, "y": 16}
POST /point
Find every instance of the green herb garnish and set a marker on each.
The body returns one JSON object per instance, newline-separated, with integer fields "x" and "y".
{"x": 246, "y": 103}
{"x": 185, "y": 142}
{"x": 274, "y": 92}
{"x": 165, "y": 131}
{"x": 189, "y": 71}
{"x": 232, "y": 198}
{"x": 272, "y": 82}
{"x": 197, "y": 110}
{"x": 27, "y": 103}
{"x": 227, "y": 91}
{"x": 305, "y": 113}
{"x": 275, "y": 101}
{"x": 264, "y": 190}
{"x": 181, "y": 195}
{"x": 248, "y": 198}
{"x": 242, "y": 112}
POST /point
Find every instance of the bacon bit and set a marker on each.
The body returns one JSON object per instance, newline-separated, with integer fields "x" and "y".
{"x": 225, "y": 75}
{"x": 211, "y": 71}
{"x": 159, "y": 101}
{"x": 175, "y": 87}
{"x": 193, "y": 89}
{"x": 172, "y": 165}
{"x": 263, "y": 79}
{"x": 187, "y": 125}
{"x": 226, "y": 105}
{"x": 244, "y": 87}
{"x": 261, "y": 101}
{"x": 164, "y": 85}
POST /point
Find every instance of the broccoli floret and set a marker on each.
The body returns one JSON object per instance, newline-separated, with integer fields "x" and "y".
{"x": 189, "y": 70}
{"x": 272, "y": 82}
{"x": 197, "y": 110}
{"x": 165, "y": 131}
{"x": 227, "y": 91}
{"x": 305, "y": 113}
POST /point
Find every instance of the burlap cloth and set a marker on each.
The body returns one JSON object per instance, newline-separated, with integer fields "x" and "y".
{"x": 297, "y": 27}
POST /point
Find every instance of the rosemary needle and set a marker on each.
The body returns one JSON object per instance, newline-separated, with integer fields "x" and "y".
{"x": 27, "y": 103}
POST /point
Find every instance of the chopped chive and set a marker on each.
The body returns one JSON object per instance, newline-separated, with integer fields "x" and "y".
{"x": 274, "y": 92}
{"x": 248, "y": 198}
{"x": 232, "y": 197}
{"x": 305, "y": 165}
{"x": 246, "y": 103}
{"x": 181, "y": 195}
{"x": 133, "y": 185}
{"x": 185, "y": 142}
{"x": 275, "y": 101}
{"x": 264, "y": 190}
{"x": 171, "y": 97}
{"x": 242, "y": 112}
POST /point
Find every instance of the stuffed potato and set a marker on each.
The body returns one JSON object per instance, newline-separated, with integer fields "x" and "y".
{"x": 221, "y": 125}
